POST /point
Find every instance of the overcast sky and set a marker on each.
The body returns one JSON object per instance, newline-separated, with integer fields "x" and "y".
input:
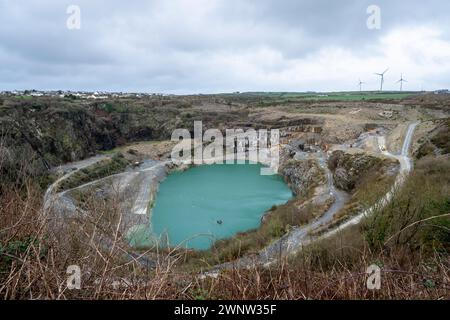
{"x": 205, "y": 46}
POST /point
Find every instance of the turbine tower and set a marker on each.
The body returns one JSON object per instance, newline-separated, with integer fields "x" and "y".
{"x": 382, "y": 78}
{"x": 401, "y": 82}
{"x": 360, "y": 83}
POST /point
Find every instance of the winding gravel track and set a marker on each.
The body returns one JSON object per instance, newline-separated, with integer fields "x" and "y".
{"x": 405, "y": 168}
{"x": 51, "y": 197}
{"x": 136, "y": 183}
{"x": 294, "y": 238}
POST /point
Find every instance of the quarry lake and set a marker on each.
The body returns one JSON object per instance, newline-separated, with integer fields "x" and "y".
{"x": 195, "y": 207}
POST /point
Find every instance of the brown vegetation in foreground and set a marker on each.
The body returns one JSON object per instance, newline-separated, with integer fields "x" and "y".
{"x": 409, "y": 240}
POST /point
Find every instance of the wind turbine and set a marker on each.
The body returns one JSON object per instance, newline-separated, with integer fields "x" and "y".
{"x": 382, "y": 78}
{"x": 360, "y": 85}
{"x": 401, "y": 81}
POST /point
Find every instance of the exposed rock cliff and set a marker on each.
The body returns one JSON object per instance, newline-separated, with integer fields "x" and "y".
{"x": 437, "y": 142}
{"x": 350, "y": 169}
{"x": 302, "y": 175}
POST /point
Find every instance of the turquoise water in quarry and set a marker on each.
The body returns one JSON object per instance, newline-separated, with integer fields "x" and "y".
{"x": 202, "y": 204}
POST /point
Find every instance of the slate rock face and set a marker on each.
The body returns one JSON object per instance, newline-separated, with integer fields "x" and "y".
{"x": 302, "y": 175}
{"x": 343, "y": 180}
{"x": 349, "y": 169}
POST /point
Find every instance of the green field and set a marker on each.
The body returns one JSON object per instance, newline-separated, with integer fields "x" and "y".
{"x": 263, "y": 99}
{"x": 335, "y": 96}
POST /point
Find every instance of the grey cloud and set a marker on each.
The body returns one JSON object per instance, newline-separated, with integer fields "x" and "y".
{"x": 199, "y": 45}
